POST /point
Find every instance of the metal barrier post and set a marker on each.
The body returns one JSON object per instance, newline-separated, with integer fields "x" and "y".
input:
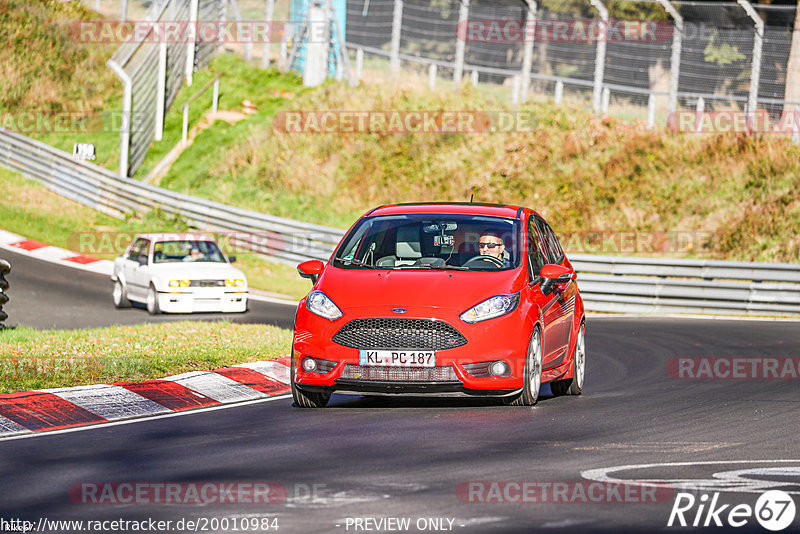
{"x": 529, "y": 34}
{"x": 265, "y": 59}
{"x": 190, "y": 46}
{"x": 397, "y": 27}
{"x": 359, "y": 63}
{"x": 755, "y": 72}
{"x": 161, "y": 87}
{"x": 651, "y": 111}
{"x": 516, "y": 82}
{"x": 559, "y": 96}
{"x": 125, "y": 127}
{"x": 600, "y": 58}
{"x": 461, "y": 41}
{"x": 675, "y": 58}
{"x": 432, "y": 76}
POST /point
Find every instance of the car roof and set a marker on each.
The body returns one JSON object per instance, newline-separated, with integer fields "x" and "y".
{"x": 177, "y": 236}
{"x": 455, "y": 208}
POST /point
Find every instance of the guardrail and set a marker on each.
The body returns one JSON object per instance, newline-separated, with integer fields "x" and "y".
{"x": 608, "y": 283}
{"x": 5, "y": 268}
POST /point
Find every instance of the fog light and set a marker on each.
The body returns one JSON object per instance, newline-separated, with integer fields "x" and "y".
{"x": 498, "y": 369}
{"x": 309, "y": 364}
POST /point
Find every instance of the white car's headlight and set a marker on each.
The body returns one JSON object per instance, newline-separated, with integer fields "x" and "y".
{"x": 319, "y": 303}
{"x": 180, "y": 283}
{"x": 491, "y": 308}
{"x": 234, "y": 282}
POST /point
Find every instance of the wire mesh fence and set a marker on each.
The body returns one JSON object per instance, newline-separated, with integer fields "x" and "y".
{"x": 663, "y": 55}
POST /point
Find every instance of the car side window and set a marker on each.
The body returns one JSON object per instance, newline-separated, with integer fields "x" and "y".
{"x": 552, "y": 248}
{"x": 536, "y": 258}
{"x": 135, "y": 249}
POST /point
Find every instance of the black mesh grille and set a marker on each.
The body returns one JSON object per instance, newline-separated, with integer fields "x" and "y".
{"x": 399, "y": 374}
{"x": 423, "y": 334}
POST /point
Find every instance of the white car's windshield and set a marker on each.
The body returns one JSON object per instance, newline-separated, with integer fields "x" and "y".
{"x": 431, "y": 241}
{"x": 187, "y": 251}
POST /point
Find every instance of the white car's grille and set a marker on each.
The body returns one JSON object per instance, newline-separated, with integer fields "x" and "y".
{"x": 207, "y": 283}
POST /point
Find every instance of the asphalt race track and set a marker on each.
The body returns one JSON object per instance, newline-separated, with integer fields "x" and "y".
{"x": 48, "y": 295}
{"x": 413, "y": 458}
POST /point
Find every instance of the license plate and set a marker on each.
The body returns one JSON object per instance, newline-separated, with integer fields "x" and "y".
{"x": 397, "y": 358}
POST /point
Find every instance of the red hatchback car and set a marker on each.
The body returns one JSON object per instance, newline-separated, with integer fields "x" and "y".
{"x": 441, "y": 299}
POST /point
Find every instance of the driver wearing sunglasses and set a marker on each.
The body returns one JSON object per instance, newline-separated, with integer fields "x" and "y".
{"x": 491, "y": 244}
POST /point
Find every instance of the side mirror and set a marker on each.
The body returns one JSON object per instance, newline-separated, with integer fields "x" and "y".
{"x": 142, "y": 259}
{"x": 231, "y": 259}
{"x": 555, "y": 274}
{"x": 311, "y": 269}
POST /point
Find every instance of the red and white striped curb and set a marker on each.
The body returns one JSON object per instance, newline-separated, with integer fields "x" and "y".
{"x": 21, "y": 245}
{"x": 53, "y": 409}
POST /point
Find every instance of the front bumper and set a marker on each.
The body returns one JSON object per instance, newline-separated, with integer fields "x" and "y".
{"x": 503, "y": 338}
{"x": 203, "y": 299}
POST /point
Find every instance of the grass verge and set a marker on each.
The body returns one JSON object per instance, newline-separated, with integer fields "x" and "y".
{"x": 34, "y": 359}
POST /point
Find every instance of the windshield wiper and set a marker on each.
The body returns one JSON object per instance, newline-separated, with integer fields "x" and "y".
{"x": 358, "y": 262}
{"x": 437, "y": 267}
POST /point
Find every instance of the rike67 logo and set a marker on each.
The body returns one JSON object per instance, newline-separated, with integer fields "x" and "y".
{"x": 774, "y": 510}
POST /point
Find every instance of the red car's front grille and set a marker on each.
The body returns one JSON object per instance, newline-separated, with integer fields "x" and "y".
{"x": 399, "y": 333}
{"x": 400, "y": 374}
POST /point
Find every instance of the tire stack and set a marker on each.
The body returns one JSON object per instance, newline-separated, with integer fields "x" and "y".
{"x": 5, "y": 268}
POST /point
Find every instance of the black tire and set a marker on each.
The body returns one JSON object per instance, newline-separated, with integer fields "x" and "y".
{"x": 307, "y": 399}
{"x": 152, "y": 301}
{"x": 120, "y": 295}
{"x": 533, "y": 367}
{"x": 574, "y": 385}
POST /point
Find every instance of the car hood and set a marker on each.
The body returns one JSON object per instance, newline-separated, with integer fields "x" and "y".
{"x": 196, "y": 271}
{"x": 459, "y": 290}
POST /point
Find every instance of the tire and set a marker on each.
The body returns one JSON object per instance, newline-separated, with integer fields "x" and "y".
{"x": 307, "y": 399}
{"x": 533, "y": 373}
{"x": 152, "y": 301}
{"x": 574, "y": 385}
{"x": 120, "y": 296}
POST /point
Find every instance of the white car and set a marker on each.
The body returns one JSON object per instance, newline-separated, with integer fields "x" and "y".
{"x": 178, "y": 273}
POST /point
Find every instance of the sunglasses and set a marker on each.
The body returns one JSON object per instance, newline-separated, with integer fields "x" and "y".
{"x": 489, "y": 245}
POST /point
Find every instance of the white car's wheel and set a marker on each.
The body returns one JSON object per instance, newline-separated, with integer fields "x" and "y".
{"x": 120, "y": 295}
{"x": 152, "y": 301}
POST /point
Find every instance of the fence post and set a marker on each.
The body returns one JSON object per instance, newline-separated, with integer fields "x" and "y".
{"x": 270, "y": 12}
{"x": 161, "y": 89}
{"x": 215, "y": 97}
{"x": 432, "y": 76}
{"x": 359, "y": 63}
{"x": 675, "y": 58}
{"x": 559, "y": 96}
{"x": 123, "y": 11}
{"x": 190, "y": 46}
{"x": 605, "y": 99}
{"x": 125, "y": 127}
{"x": 473, "y": 78}
{"x": 397, "y": 27}
{"x": 185, "y": 129}
{"x": 755, "y": 73}
{"x": 600, "y": 58}
{"x": 698, "y": 113}
{"x": 651, "y": 111}
{"x": 461, "y": 41}
{"x": 529, "y": 34}
{"x": 516, "y": 82}
{"x": 5, "y": 268}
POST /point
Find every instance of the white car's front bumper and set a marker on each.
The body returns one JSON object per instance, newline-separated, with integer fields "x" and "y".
{"x": 203, "y": 299}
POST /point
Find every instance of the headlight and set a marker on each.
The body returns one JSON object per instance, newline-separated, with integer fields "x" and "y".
{"x": 319, "y": 303}
{"x": 231, "y": 282}
{"x": 491, "y": 308}
{"x": 179, "y": 283}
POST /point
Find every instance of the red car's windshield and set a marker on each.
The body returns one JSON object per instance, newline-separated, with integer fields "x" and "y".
{"x": 429, "y": 241}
